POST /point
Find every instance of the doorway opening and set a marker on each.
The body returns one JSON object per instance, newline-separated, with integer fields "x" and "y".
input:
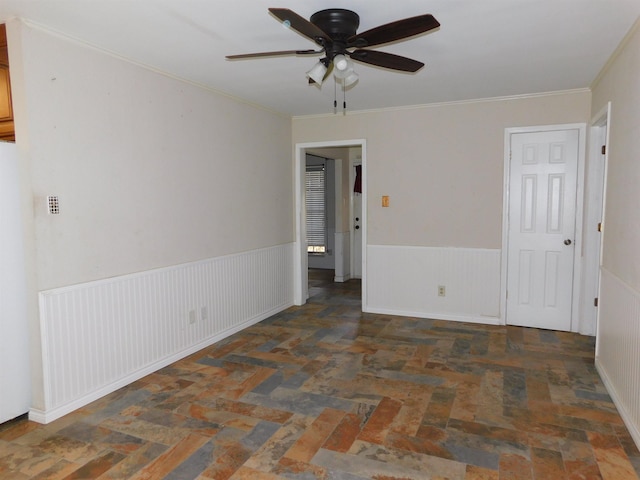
{"x": 345, "y": 254}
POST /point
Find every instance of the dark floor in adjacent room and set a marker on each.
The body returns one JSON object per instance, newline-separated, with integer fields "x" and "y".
{"x": 324, "y": 391}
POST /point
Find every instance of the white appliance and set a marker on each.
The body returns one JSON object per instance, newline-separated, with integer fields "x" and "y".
{"x": 15, "y": 382}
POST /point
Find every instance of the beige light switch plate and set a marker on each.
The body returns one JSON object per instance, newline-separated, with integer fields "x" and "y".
{"x": 385, "y": 200}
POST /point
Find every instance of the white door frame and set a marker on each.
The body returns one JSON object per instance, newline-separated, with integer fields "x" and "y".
{"x": 300, "y": 258}
{"x": 599, "y": 133}
{"x": 581, "y": 127}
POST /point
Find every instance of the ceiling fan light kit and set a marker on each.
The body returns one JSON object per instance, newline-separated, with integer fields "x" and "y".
{"x": 334, "y": 31}
{"x": 343, "y": 70}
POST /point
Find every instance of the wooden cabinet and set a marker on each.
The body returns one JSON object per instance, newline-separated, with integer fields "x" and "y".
{"x": 7, "y": 131}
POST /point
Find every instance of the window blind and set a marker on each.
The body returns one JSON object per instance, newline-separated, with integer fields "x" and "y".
{"x": 316, "y": 209}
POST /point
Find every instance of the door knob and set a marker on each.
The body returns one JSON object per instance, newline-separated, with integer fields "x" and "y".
{"x": 567, "y": 242}
{"x": 357, "y": 227}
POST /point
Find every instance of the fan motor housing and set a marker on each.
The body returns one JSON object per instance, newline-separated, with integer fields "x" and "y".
{"x": 339, "y": 24}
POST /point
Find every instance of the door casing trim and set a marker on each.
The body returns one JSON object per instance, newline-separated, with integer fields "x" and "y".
{"x": 300, "y": 260}
{"x": 602, "y": 120}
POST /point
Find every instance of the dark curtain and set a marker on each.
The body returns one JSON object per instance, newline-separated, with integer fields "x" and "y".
{"x": 357, "y": 186}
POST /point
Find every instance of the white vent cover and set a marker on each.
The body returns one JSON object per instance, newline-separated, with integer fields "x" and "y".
{"x": 54, "y": 204}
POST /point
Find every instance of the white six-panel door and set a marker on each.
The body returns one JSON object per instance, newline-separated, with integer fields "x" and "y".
{"x": 541, "y": 232}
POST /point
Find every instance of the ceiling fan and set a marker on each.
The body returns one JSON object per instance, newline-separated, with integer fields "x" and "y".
{"x": 334, "y": 30}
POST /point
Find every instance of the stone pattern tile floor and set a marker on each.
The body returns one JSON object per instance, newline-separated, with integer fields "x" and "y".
{"x": 324, "y": 391}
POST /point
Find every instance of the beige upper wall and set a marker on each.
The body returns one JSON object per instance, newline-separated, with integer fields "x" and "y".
{"x": 620, "y": 84}
{"x": 150, "y": 171}
{"x": 442, "y": 166}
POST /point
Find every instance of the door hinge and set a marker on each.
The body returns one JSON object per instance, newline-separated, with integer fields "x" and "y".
{"x": 595, "y": 302}
{"x": 604, "y": 149}
{"x": 600, "y": 226}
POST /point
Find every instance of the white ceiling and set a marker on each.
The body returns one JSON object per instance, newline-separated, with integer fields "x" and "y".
{"x": 484, "y": 48}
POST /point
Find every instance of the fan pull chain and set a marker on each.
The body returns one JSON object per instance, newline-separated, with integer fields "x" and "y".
{"x": 344, "y": 99}
{"x": 335, "y": 97}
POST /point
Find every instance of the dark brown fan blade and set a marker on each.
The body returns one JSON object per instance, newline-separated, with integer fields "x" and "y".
{"x": 387, "y": 60}
{"x": 300, "y": 24}
{"x": 394, "y": 31}
{"x": 273, "y": 54}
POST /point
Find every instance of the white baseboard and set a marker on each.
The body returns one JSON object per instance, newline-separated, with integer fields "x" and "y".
{"x": 342, "y": 279}
{"x": 438, "y": 316}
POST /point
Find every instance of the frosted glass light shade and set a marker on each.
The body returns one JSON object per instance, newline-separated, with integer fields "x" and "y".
{"x": 350, "y": 79}
{"x": 341, "y": 63}
{"x": 317, "y": 72}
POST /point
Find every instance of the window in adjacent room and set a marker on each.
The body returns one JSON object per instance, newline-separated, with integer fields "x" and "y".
{"x": 316, "y": 209}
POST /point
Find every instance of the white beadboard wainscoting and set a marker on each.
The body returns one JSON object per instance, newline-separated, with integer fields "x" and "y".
{"x": 404, "y": 280}
{"x": 618, "y": 347}
{"x": 102, "y": 335}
